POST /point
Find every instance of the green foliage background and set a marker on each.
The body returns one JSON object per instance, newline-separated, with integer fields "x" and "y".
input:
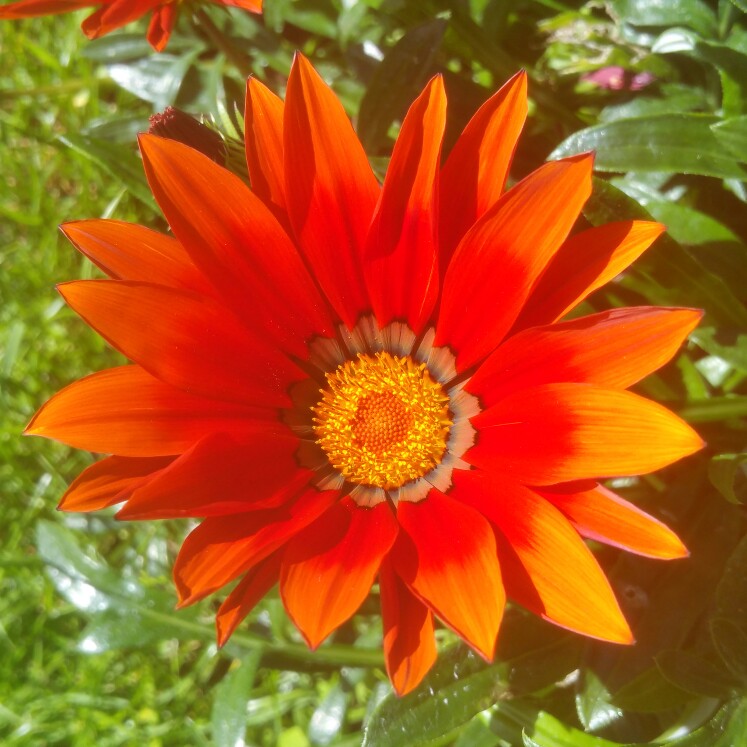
{"x": 91, "y": 650}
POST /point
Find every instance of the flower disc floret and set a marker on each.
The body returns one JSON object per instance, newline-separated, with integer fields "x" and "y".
{"x": 382, "y": 420}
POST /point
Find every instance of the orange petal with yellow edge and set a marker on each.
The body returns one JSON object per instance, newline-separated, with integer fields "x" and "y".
{"x": 328, "y": 568}
{"x": 128, "y": 412}
{"x": 446, "y": 555}
{"x": 585, "y": 262}
{"x": 599, "y": 514}
{"x": 613, "y": 349}
{"x": 330, "y": 189}
{"x": 474, "y": 175}
{"x": 109, "y": 481}
{"x": 561, "y": 432}
{"x": 221, "y": 548}
{"x": 500, "y": 258}
{"x": 546, "y": 565}
{"x": 245, "y": 596}
{"x": 409, "y": 645}
{"x": 401, "y": 257}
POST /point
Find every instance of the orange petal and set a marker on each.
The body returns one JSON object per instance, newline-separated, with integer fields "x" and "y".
{"x": 599, "y": 514}
{"x": 614, "y": 349}
{"x": 224, "y": 547}
{"x": 546, "y": 565}
{"x": 32, "y": 8}
{"x": 450, "y": 563}
{"x": 127, "y": 251}
{"x": 126, "y": 411}
{"x": 237, "y": 242}
{"x": 584, "y": 263}
{"x": 184, "y": 339}
{"x": 161, "y": 24}
{"x": 475, "y": 172}
{"x": 263, "y": 117}
{"x": 401, "y": 256}
{"x": 330, "y": 189}
{"x": 499, "y": 260}
{"x": 328, "y": 568}
{"x": 561, "y": 432}
{"x": 220, "y": 475}
{"x": 409, "y": 645}
{"x": 110, "y": 481}
{"x": 245, "y": 596}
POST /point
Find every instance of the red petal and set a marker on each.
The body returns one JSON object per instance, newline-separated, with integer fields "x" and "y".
{"x": 584, "y": 263}
{"x": 237, "y": 242}
{"x": 450, "y": 563}
{"x": 475, "y": 172}
{"x": 328, "y": 568}
{"x": 499, "y": 260}
{"x": 330, "y": 189}
{"x": 254, "y": 6}
{"x": 224, "y": 547}
{"x": 409, "y": 645}
{"x": 127, "y": 251}
{"x": 614, "y": 349}
{"x": 546, "y": 566}
{"x": 401, "y": 256}
{"x": 263, "y": 117}
{"x": 561, "y": 432}
{"x": 599, "y": 514}
{"x": 110, "y": 481}
{"x": 220, "y": 475}
{"x": 245, "y": 596}
{"x": 126, "y": 411}
{"x": 184, "y": 339}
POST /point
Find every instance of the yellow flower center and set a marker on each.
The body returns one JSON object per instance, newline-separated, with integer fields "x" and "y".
{"x": 382, "y": 420}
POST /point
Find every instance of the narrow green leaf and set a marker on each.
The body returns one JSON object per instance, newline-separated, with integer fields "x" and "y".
{"x": 715, "y": 409}
{"x": 118, "y": 161}
{"x": 669, "y": 143}
{"x": 728, "y": 474}
{"x": 229, "y": 714}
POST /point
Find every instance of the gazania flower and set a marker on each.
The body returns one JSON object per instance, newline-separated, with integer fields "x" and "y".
{"x": 111, "y": 14}
{"x": 353, "y": 383}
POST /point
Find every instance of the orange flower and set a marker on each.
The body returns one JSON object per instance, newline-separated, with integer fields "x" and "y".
{"x": 115, "y": 13}
{"x": 351, "y": 382}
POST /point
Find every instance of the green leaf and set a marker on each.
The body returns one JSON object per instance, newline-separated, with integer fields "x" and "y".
{"x": 696, "y": 674}
{"x": 728, "y": 474}
{"x": 668, "y": 143}
{"x": 667, "y": 274}
{"x": 741, "y": 4}
{"x": 229, "y": 714}
{"x": 650, "y": 692}
{"x": 693, "y": 13}
{"x": 732, "y": 133}
{"x": 118, "y": 161}
{"x": 727, "y": 342}
{"x": 155, "y": 79}
{"x": 458, "y": 687}
{"x": 593, "y": 706}
{"x": 409, "y": 63}
{"x": 729, "y": 620}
